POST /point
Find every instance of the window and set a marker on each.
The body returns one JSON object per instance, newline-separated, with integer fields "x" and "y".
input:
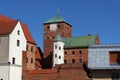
{"x": 55, "y": 46}
{"x": 73, "y": 52}
{"x": 59, "y": 48}
{"x": 26, "y": 59}
{"x": 80, "y": 52}
{"x": 114, "y": 57}
{"x": 32, "y": 49}
{"x": 59, "y": 57}
{"x": 27, "y": 47}
{"x": 1, "y": 79}
{"x": 18, "y": 32}
{"x": 115, "y": 76}
{"x": 80, "y": 60}
{"x": 13, "y": 60}
{"x": 31, "y": 60}
{"x": 73, "y": 60}
{"x": 48, "y": 27}
{"x": 18, "y": 43}
{"x": 58, "y": 26}
{"x": 55, "y": 55}
{"x": 65, "y": 53}
{"x": 65, "y": 61}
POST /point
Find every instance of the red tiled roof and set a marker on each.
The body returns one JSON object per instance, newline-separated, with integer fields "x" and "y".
{"x": 27, "y": 34}
{"x": 7, "y": 25}
{"x": 38, "y": 57}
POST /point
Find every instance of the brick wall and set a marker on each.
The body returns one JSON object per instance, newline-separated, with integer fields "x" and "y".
{"x": 61, "y": 72}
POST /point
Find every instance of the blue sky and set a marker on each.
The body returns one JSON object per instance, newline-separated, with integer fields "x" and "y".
{"x": 96, "y": 17}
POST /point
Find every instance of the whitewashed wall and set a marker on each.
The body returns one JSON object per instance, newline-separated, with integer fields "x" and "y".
{"x": 4, "y": 72}
{"x": 14, "y": 50}
{"x": 58, "y": 52}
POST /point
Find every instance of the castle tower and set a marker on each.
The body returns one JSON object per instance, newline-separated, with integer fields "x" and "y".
{"x": 58, "y": 51}
{"x": 54, "y": 26}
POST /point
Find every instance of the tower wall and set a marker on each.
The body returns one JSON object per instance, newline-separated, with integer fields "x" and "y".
{"x": 50, "y": 32}
{"x": 58, "y": 53}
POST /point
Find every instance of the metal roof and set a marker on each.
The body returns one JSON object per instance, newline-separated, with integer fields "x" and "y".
{"x": 55, "y": 19}
{"x": 82, "y": 41}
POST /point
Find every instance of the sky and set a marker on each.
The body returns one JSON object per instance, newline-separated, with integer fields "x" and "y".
{"x": 95, "y": 17}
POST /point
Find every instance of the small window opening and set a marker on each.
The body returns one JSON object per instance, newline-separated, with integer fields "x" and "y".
{"x": 13, "y": 60}
{"x": 73, "y": 60}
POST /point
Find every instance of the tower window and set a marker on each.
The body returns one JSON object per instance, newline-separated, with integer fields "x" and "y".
{"x": 73, "y": 60}
{"x": 13, "y": 60}
{"x": 48, "y": 27}
{"x": 55, "y": 46}
{"x": 18, "y": 43}
{"x": 59, "y": 48}
{"x": 58, "y": 26}
{"x": 59, "y": 57}
{"x": 55, "y": 55}
{"x": 1, "y": 79}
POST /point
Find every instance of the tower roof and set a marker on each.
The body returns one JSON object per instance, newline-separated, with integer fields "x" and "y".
{"x": 58, "y": 38}
{"x": 55, "y": 19}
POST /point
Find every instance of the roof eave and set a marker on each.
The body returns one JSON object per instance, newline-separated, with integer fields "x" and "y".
{"x": 57, "y": 22}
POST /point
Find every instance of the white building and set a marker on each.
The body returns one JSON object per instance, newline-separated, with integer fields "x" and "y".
{"x": 12, "y": 43}
{"x": 58, "y": 51}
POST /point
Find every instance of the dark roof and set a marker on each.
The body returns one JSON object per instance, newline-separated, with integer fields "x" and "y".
{"x": 7, "y": 25}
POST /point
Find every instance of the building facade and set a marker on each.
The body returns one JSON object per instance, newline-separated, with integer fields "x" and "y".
{"x": 54, "y": 26}
{"x": 104, "y": 62}
{"x": 12, "y": 43}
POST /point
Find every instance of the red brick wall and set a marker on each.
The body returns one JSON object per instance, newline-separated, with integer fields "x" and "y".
{"x": 64, "y": 72}
{"x": 79, "y": 53}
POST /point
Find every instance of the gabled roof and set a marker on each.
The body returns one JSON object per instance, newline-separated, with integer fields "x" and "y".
{"x": 7, "y": 25}
{"x": 27, "y": 34}
{"x": 55, "y": 19}
{"x": 82, "y": 41}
